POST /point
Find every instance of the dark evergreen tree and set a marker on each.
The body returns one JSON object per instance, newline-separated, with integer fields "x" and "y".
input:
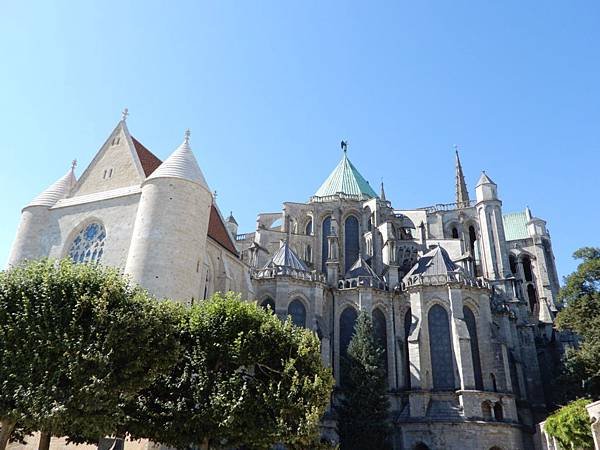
{"x": 363, "y": 409}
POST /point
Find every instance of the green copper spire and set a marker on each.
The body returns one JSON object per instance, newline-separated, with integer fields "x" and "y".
{"x": 346, "y": 180}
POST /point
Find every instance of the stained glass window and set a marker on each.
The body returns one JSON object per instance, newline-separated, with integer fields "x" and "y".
{"x": 325, "y": 244}
{"x": 298, "y": 313}
{"x": 407, "y": 326}
{"x": 380, "y": 332}
{"x": 308, "y": 230}
{"x": 88, "y": 245}
{"x": 347, "y": 321}
{"x": 268, "y": 304}
{"x": 472, "y": 327}
{"x": 442, "y": 367}
{"x": 350, "y": 242}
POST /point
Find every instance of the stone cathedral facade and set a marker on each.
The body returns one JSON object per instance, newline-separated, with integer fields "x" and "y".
{"x": 462, "y": 295}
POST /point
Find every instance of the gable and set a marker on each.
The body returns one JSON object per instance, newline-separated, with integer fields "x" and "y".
{"x": 116, "y": 165}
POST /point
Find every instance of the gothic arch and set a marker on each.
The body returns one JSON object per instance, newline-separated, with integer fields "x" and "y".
{"x": 471, "y": 323}
{"x": 440, "y": 349}
{"x": 347, "y": 320}
{"x": 297, "y": 311}
{"x": 86, "y": 241}
{"x": 268, "y": 303}
{"x": 325, "y": 232}
{"x": 351, "y": 240}
{"x": 381, "y": 335}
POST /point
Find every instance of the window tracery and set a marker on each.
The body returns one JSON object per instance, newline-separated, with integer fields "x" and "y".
{"x": 88, "y": 245}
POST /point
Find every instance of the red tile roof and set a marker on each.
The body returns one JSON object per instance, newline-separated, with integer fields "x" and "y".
{"x": 217, "y": 231}
{"x": 216, "y": 227}
{"x": 148, "y": 159}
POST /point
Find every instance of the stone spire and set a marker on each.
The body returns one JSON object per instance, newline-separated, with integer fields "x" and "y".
{"x": 382, "y": 193}
{"x": 462, "y": 194}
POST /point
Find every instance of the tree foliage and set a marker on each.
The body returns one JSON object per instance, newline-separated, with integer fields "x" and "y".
{"x": 245, "y": 378}
{"x": 76, "y": 343}
{"x": 581, "y": 315}
{"x": 570, "y": 425}
{"x": 363, "y": 411}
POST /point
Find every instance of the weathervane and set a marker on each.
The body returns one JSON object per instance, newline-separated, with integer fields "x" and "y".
{"x": 124, "y": 114}
{"x": 344, "y": 145}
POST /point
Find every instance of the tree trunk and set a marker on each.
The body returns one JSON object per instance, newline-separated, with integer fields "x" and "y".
{"x": 8, "y": 426}
{"x": 205, "y": 444}
{"x": 44, "y": 441}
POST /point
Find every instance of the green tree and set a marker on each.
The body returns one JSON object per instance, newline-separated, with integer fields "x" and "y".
{"x": 570, "y": 425}
{"x": 76, "y": 343}
{"x": 363, "y": 411}
{"x": 581, "y": 314}
{"x": 245, "y": 378}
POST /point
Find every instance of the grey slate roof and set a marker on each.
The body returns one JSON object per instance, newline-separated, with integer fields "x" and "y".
{"x": 360, "y": 269}
{"x": 286, "y": 257}
{"x": 435, "y": 262}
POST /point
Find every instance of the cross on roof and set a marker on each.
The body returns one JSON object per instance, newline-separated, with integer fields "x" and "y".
{"x": 124, "y": 114}
{"x": 344, "y": 145}
{"x": 73, "y": 164}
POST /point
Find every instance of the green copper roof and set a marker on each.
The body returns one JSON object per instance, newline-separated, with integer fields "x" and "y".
{"x": 345, "y": 179}
{"x": 515, "y": 226}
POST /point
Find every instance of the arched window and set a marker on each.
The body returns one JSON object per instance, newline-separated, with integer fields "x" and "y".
{"x": 527, "y": 269}
{"x": 486, "y": 410}
{"x": 308, "y": 230}
{"x": 472, "y": 328}
{"x": 512, "y": 260}
{"x": 473, "y": 246}
{"x": 351, "y": 242}
{"x": 498, "y": 413}
{"x": 268, "y": 304}
{"x": 533, "y": 301}
{"x": 298, "y": 313}
{"x": 88, "y": 245}
{"x": 454, "y": 233}
{"x": 347, "y": 322}
{"x": 494, "y": 384}
{"x": 380, "y": 332}
{"x": 308, "y": 255}
{"x": 407, "y": 326}
{"x": 206, "y": 284}
{"x": 326, "y": 230}
{"x": 442, "y": 367}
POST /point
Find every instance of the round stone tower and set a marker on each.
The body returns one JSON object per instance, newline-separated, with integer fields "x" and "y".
{"x": 35, "y": 218}
{"x": 168, "y": 245}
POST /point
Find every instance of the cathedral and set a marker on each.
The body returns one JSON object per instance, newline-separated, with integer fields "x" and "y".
{"x": 462, "y": 295}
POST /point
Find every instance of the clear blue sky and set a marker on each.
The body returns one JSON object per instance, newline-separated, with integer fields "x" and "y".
{"x": 269, "y": 88}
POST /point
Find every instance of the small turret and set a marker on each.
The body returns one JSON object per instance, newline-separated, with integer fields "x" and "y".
{"x": 232, "y": 224}
{"x": 486, "y": 189}
{"x": 168, "y": 246}
{"x": 35, "y": 218}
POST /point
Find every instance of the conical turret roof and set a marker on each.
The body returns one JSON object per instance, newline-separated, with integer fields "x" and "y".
{"x": 57, "y": 191}
{"x": 346, "y": 179}
{"x": 181, "y": 164}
